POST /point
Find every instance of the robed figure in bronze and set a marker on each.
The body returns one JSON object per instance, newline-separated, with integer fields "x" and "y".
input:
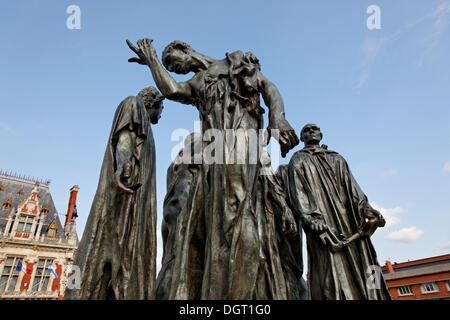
{"x": 117, "y": 253}
{"x": 180, "y": 175}
{"x": 291, "y": 248}
{"x": 287, "y": 239}
{"x": 224, "y": 247}
{"x": 338, "y": 221}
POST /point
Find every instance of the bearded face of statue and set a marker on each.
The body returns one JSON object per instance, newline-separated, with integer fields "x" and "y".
{"x": 153, "y": 103}
{"x": 155, "y": 111}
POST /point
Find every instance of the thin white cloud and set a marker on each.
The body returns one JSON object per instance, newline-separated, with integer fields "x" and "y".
{"x": 445, "y": 245}
{"x": 441, "y": 18}
{"x": 390, "y": 214}
{"x": 389, "y": 172}
{"x": 5, "y": 127}
{"x": 373, "y": 46}
{"x": 369, "y": 51}
{"x": 446, "y": 167}
{"x": 406, "y": 235}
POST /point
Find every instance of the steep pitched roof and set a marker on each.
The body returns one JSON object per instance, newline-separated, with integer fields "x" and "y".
{"x": 11, "y": 187}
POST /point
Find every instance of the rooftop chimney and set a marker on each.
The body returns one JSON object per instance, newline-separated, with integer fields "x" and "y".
{"x": 72, "y": 204}
{"x": 390, "y": 269}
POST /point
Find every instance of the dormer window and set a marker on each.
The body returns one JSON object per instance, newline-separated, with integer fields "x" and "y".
{"x": 20, "y": 191}
{"x": 52, "y": 229}
{"x": 7, "y": 204}
{"x": 45, "y": 209}
{"x": 51, "y": 233}
{"x": 24, "y": 227}
{"x": 1, "y": 188}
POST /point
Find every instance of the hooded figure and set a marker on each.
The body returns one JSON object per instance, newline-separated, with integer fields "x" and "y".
{"x": 117, "y": 253}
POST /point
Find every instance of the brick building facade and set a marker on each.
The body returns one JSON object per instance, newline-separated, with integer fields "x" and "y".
{"x": 422, "y": 279}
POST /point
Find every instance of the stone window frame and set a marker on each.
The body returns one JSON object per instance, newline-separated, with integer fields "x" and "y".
{"x": 25, "y": 220}
{"x": 11, "y": 263}
{"x": 41, "y": 275}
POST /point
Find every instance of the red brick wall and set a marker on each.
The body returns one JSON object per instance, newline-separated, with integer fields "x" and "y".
{"x": 415, "y": 282}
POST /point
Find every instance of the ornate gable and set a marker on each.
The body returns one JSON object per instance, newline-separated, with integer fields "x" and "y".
{"x": 31, "y": 204}
{"x": 27, "y": 216}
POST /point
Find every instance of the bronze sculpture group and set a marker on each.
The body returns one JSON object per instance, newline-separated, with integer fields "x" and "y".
{"x": 232, "y": 229}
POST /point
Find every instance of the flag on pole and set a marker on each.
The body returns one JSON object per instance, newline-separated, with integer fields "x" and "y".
{"x": 50, "y": 269}
{"x": 29, "y": 270}
{"x": 20, "y": 267}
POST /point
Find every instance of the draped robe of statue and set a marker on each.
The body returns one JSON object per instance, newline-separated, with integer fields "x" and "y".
{"x": 225, "y": 246}
{"x": 291, "y": 249}
{"x": 179, "y": 179}
{"x": 322, "y": 186}
{"x": 117, "y": 253}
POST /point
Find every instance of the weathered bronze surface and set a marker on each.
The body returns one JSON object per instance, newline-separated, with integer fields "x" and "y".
{"x": 225, "y": 240}
{"x": 117, "y": 253}
{"x": 291, "y": 252}
{"x": 179, "y": 179}
{"x": 338, "y": 221}
{"x": 230, "y": 230}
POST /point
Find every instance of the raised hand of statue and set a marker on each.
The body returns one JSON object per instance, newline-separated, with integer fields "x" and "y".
{"x": 284, "y": 134}
{"x": 123, "y": 174}
{"x": 145, "y": 51}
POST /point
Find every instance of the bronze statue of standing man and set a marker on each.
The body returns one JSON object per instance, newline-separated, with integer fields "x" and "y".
{"x": 117, "y": 253}
{"x": 338, "y": 221}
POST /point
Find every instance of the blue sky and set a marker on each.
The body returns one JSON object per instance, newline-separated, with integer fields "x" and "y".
{"x": 381, "y": 97}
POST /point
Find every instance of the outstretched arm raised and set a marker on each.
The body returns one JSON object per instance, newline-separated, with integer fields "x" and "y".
{"x": 177, "y": 91}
